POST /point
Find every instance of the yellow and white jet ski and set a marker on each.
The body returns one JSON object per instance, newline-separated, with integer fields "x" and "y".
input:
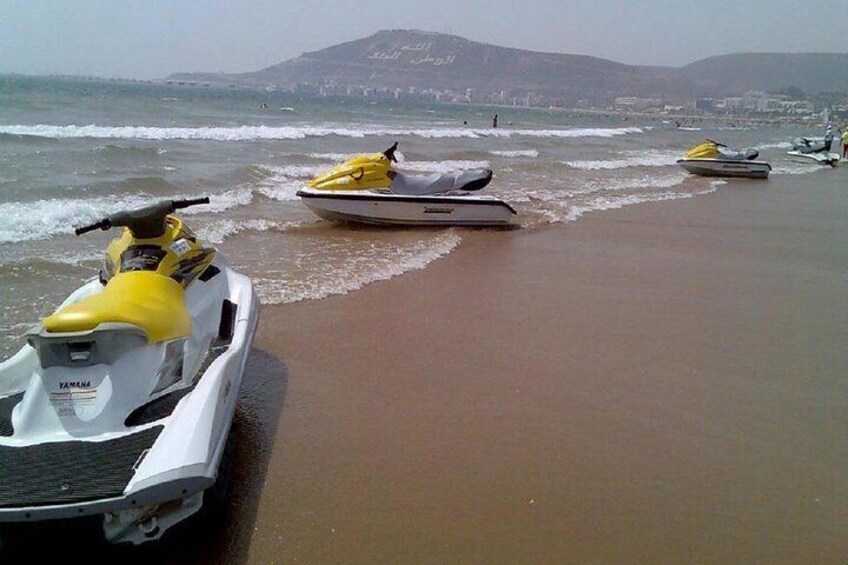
{"x": 714, "y": 159}
{"x": 369, "y": 189}
{"x": 119, "y": 406}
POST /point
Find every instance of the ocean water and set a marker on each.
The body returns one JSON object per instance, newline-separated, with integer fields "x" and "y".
{"x": 74, "y": 151}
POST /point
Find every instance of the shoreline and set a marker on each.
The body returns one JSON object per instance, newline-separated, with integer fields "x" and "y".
{"x": 660, "y": 383}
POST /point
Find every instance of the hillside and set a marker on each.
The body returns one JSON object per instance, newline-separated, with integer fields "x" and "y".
{"x": 734, "y": 74}
{"x": 418, "y": 59}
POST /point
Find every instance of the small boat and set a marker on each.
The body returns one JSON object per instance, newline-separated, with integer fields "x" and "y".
{"x": 815, "y": 149}
{"x": 369, "y": 189}
{"x": 118, "y": 408}
{"x": 714, "y": 159}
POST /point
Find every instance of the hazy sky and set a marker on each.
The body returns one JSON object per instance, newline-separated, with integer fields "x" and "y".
{"x": 151, "y": 39}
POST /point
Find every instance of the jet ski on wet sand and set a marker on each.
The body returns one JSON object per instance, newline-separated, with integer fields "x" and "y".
{"x": 369, "y": 189}
{"x": 714, "y": 159}
{"x": 119, "y": 405}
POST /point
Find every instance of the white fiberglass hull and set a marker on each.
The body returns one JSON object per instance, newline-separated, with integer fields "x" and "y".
{"x": 821, "y": 158}
{"x": 394, "y": 209}
{"x": 726, "y": 168}
{"x": 69, "y": 450}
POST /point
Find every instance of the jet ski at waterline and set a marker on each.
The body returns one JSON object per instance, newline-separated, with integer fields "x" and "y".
{"x": 118, "y": 407}
{"x": 369, "y": 189}
{"x": 815, "y": 149}
{"x": 713, "y": 159}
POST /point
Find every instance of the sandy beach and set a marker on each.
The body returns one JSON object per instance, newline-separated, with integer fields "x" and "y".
{"x": 663, "y": 383}
{"x": 660, "y": 384}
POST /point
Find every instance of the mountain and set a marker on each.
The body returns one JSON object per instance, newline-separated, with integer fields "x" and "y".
{"x": 734, "y": 74}
{"x": 418, "y": 59}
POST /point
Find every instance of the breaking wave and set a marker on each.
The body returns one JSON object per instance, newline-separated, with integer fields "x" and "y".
{"x": 532, "y": 153}
{"x": 41, "y": 219}
{"x": 250, "y": 133}
{"x": 643, "y": 159}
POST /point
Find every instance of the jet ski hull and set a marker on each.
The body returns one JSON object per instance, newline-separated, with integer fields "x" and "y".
{"x": 822, "y": 158}
{"x": 726, "y": 168}
{"x": 150, "y": 470}
{"x": 395, "y": 209}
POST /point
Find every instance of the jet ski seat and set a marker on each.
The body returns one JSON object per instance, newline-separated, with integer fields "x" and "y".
{"x": 420, "y": 185}
{"x": 806, "y": 146}
{"x": 744, "y": 155}
{"x": 149, "y": 301}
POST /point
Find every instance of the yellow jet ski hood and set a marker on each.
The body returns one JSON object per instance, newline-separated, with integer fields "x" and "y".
{"x": 714, "y": 150}
{"x": 706, "y": 150}
{"x": 362, "y": 172}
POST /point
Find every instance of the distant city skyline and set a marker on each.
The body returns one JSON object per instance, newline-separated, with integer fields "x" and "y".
{"x": 148, "y": 40}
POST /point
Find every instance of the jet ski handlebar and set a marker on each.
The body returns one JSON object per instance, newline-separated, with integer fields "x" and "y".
{"x": 101, "y": 225}
{"x": 185, "y": 203}
{"x": 145, "y": 223}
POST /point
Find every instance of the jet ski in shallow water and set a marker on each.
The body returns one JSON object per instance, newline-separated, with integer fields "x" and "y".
{"x": 119, "y": 406}
{"x": 369, "y": 189}
{"x": 815, "y": 149}
{"x": 713, "y": 159}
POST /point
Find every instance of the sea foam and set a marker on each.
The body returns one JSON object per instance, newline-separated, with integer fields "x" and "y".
{"x": 531, "y": 153}
{"x": 41, "y": 219}
{"x": 356, "y": 271}
{"x": 250, "y": 133}
{"x": 642, "y": 159}
{"x": 217, "y": 231}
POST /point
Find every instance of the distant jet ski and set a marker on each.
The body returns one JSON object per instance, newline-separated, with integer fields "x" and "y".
{"x": 815, "y": 149}
{"x": 714, "y": 159}
{"x": 369, "y": 189}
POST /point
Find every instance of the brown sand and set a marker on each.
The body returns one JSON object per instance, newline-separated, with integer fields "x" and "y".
{"x": 660, "y": 384}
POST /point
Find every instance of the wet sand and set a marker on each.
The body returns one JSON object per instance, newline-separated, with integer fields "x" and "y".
{"x": 665, "y": 383}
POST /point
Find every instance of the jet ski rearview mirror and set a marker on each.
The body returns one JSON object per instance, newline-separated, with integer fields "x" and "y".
{"x": 390, "y": 153}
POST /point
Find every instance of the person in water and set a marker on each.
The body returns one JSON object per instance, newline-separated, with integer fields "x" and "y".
{"x": 495, "y": 121}
{"x": 845, "y": 143}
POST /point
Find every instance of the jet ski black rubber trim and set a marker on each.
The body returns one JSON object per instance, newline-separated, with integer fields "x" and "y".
{"x": 6, "y": 406}
{"x": 210, "y": 272}
{"x": 458, "y": 200}
{"x": 228, "y": 321}
{"x": 70, "y": 471}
